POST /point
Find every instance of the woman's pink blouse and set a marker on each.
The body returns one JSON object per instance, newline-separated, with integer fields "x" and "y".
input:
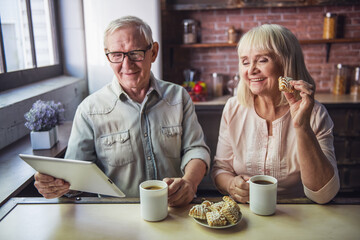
{"x": 245, "y": 148}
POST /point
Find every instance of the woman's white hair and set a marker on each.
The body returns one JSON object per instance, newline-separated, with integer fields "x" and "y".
{"x": 128, "y": 21}
{"x": 284, "y": 45}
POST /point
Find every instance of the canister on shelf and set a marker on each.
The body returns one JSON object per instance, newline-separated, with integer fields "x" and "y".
{"x": 232, "y": 35}
{"x": 355, "y": 83}
{"x": 190, "y": 31}
{"x": 217, "y": 80}
{"x": 330, "y": 25}
{"x": 232, "y": 84}
{"x": 341, "y": 81}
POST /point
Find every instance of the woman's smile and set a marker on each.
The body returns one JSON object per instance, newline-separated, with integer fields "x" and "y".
{"x": 257, "y": 79}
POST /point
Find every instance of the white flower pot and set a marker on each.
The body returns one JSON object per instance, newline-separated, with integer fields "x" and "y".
{"x": 44, "y": 139}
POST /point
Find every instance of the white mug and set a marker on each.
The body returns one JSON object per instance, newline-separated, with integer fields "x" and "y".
{"x": 263, "y": 194}
{"x": 153, "y": 200}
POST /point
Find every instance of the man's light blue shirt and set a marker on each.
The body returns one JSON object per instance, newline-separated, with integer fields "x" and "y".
{"x": 132, "y": 142}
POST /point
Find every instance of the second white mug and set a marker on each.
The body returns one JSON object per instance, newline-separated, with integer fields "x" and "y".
{"x": 263, "y": 194}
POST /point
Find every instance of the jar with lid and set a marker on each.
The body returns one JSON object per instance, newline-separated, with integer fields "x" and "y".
{"x": 232, "y": 84}
{"x": 330, "y": 25}
{"x": 341, "y": 82}
{"x": 232, "y": 35}
{"x": 355, "y": 83}
{"x": 190, "y": 31}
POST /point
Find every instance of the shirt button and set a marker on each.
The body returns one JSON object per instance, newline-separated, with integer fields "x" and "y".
{"x": 145, "y": 134}
{"x": 149, "y": 158}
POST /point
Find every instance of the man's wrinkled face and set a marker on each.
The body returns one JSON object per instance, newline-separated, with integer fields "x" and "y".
{"x": 131, "y": 74}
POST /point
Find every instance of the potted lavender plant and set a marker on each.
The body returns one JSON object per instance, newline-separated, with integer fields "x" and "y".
{"x": 42, "y": 120}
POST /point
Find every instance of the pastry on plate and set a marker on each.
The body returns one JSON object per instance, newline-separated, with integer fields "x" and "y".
{"x": 199, "y": 211}
{"x": 231, "y": 213}
{"x": 207, "y": 203}
{"x": 223, "y": 213}
{"x": 215, "y": 218}
{"x": 231, "y": 202}
{"x": 217, "y": 206}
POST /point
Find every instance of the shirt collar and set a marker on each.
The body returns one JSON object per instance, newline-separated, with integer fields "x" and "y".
{"x": 119, "y": 91}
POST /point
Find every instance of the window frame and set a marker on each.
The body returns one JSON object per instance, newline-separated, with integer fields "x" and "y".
{"x": 14, "y": 79}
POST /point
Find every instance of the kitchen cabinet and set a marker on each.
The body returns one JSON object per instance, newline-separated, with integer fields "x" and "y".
{"x": 347, "y": 144}
{"x": 209, "y": 117}
{"x": 345, "y": 113}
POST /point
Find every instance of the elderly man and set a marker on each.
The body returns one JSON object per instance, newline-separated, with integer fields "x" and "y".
{"x": 137, "y": 127}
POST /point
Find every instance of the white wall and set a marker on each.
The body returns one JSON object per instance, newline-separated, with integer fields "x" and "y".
{"x": 73, "y": 37}
{"x": 97, "y": 15}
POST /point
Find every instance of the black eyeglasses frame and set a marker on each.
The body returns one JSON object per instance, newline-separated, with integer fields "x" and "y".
{"x": 128, "y": 54}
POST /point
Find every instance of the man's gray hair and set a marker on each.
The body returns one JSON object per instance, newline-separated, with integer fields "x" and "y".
{"x": 128, "y": 21}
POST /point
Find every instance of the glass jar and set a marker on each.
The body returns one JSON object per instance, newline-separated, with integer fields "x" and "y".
{"x": 232, "y": 84}
{"x": 355, "y": 83}
{"x": 341, "y": 82}
{"x": 190, "y": 31}
{"x": 217, "y": 81}
{"x": 232, "y": 35}
{"x": 330, "y": 22}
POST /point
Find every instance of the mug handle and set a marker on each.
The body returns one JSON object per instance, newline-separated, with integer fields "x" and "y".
{"x": 248, "y": 181}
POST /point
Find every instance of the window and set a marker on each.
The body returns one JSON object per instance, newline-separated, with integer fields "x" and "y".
{"x": 29, "y": 51}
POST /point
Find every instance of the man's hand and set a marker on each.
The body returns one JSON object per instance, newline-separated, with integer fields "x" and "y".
{"x": 180, "y": 191}
{"x": 49, "y": 186}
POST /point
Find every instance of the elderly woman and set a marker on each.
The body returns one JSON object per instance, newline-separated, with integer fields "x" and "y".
{"x": 269, "y": 132}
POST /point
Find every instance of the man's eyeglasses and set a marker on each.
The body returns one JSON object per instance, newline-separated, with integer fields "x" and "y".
{"x": 135, "y": 55}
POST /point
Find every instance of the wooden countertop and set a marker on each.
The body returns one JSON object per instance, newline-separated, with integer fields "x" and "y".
{"x": 328, "y": 98}
{"x": 123, "y": 221}
{"x": 324, "y": 98}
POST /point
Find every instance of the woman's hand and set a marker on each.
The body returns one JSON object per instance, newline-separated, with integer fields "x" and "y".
{"x": 239, "y": 189}
{"x": 301, "y": 109}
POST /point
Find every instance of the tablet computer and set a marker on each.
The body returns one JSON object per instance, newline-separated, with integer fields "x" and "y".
{"x": 82, "y": 175}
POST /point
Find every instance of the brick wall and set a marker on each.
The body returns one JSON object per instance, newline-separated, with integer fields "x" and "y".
{"x": 304, "y": 22}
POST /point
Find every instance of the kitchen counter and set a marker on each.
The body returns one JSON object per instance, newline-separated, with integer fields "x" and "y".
{"x": 121, "y": 220}
{"x": 324, "y": 98}
{"x": 328, "y": 98}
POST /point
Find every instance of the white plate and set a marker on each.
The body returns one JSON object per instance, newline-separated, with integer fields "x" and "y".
{"x": 205, "y": 224}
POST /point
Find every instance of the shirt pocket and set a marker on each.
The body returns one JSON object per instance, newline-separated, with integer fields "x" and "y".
{"x": 117, "y": 148}
{"x": 171, "y": 140}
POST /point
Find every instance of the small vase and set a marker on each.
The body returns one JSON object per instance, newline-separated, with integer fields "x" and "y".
{"x": 44, "y": 139}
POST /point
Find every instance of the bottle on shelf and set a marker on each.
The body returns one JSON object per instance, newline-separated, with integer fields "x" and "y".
{"x": 232, "y": 35}
{"x": 341, "y": 81}
{"x": 355, "y": 83}
{"x": 330, "y": 26}
{"x": 217, "y": 84}
{"x": 190, "y": 31}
